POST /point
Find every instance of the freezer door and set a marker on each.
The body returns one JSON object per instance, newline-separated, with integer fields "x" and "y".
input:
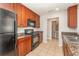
{"x": 7, "y": 19}
{"x": 7, "y": 43}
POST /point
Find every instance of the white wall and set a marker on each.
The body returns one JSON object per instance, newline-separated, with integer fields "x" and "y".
{"x": 63, "y": 25}
{"x": 43, "y": 26}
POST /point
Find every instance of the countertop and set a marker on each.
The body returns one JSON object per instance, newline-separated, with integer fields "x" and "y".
{"x": 23, "y": 36}
{"x": 73, "y": 44}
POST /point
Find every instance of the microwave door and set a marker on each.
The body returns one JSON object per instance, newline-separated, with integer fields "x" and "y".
{"x": 31, "y": 23}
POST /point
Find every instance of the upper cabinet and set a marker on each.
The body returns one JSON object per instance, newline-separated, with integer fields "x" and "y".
{"x": 37, "y": 21}
{"x": 31, "y": 15}
{"x": 7, "y": 6}
{"x": 72, "y": 17}
{"x": 24, "y": 16}
{"x": 22, "y": 13}
{"x": 18, "y": 10}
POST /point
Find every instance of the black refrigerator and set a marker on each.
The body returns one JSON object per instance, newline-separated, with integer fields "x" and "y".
{"x": 8, "y": 33}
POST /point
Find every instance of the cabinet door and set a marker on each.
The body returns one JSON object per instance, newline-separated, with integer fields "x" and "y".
{"x": 33, "y": 16}
{"x": 24, "y": 45}
{"x": 72, "y": 17}
{"x": 65, "y": 48}
{"x": 20, "y": 46}
{"x": 37, "y": 21}
{"x": 21, "y": 49}
{"x": 27, "y": 15}
{"x": 23, "y": 16}
{"x": 7, "y": 6}
{"x": 29, "y": 43}
{"x": 18, "y": 10}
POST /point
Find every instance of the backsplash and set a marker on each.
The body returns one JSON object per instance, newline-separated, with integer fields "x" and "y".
{"x": 21, "y": 30}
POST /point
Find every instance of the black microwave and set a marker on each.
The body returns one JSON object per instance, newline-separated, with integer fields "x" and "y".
{"x": 31, "y": 23}
{"x": 29, "y": 31}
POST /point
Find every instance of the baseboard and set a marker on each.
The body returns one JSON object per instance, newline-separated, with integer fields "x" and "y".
{"x": 49, "y": 38}
{"x": 60, "y": 45}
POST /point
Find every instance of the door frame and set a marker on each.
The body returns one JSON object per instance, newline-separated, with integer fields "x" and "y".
{"x": 51, "y": 19}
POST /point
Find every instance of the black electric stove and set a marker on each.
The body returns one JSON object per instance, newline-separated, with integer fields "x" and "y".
{"x": 35, "y": 37}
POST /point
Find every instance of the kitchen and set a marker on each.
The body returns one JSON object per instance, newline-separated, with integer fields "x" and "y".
{"x": 32, "y": 27}
{"x": 25, "y": 17}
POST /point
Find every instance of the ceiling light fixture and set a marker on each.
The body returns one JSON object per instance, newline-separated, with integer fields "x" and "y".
{"x": 57, "y": 9}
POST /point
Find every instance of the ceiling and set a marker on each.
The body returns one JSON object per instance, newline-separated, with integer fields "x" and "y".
{"x": 42, "y": 8}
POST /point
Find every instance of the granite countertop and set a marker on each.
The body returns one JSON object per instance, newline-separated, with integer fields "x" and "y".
{"x": 73, "y": 44}
{"x": 21, "y": 35}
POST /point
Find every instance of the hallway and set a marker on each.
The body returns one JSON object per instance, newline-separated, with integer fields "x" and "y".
{"x": 47, "y": 49}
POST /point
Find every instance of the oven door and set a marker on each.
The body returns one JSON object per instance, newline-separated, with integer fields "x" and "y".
{"x": 35, "y": 39}
{"x": 35, "y": 42}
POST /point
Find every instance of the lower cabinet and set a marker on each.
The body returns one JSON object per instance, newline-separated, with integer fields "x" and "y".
{"x": 66, "y": 49}
{"x": 29, "y": 44}
{"x": 23, "y": 46}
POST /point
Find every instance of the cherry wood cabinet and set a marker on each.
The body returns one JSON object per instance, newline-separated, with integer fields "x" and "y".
{"x": 29, "y": 43}
{"x": 22, "y": 13}
{"x": 72, "y": 16}
{"x": 7, "y": 6}
{"x": 28, "y": 13}
{"x": 66, "y": 49}
{"x": 24, "y": 17}
{"x": 21, "y": 49}
{"x": 31, "y": 15}
{"x": 37, "y": 21}
{"x": 18, "y": 10}
{"x": 15, "y": 7}
{"x": 24, "y": 45}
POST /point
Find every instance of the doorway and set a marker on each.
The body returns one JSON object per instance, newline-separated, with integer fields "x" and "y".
{"x": 55, "y": 29}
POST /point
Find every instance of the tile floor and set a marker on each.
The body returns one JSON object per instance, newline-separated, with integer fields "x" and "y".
{"x": 47, "y": 49}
